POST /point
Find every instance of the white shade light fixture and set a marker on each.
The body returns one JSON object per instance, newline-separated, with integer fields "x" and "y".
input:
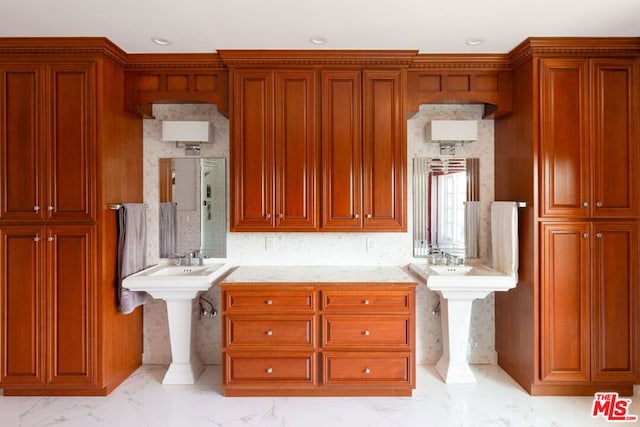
{"x": 188, "y": 133}
{"x": 449, "y": 133}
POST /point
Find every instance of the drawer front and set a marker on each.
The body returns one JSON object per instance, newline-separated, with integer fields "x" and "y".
{"x": 265, "y": 301}
{"x": 367, "y": 368}
{"x": 366, "y": 332}
{"x": 367, "y": 300}
{"x": 296, "y": 368}
{"x": 288, "y": 330}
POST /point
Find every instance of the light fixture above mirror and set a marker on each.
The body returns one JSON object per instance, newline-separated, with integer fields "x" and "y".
{"x": 450, "y": 133}
{"x": 188, "y": 133}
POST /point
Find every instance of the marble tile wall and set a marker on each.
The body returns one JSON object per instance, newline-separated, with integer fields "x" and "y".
{"x": 320, "y": 248}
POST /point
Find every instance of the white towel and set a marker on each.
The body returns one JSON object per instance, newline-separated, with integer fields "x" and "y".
{"x": 504, "y": 237}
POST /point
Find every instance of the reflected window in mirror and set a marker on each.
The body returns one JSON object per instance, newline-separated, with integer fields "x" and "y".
{"x": 446, "y": 207}
{"x": 192, "y": 206}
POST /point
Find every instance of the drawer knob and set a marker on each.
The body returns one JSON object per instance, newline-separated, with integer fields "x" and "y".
{"x": 365, "y": 333}
{"x": 269, "y": 332}
{"x": 269, "y": 302}
{"x": 365, "y": 302}
{"x": 269, "y": 370}
{"x": 367, "y": 371}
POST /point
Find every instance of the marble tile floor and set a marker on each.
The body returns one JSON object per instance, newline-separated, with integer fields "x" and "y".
{"x": 496, "y": 400}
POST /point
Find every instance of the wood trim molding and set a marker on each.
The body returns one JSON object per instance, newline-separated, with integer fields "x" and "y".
{"x": 63, "y": 45}
{"x": 138, "y": 61}
{"x": 274, "y": 58}
{"x": 484, "y": 62}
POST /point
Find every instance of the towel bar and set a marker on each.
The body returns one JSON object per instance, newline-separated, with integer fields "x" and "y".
{"x": 522, "y": 204}
{"x": 117, "y": 206}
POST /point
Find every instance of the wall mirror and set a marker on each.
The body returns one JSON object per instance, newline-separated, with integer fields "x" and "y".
{"x": 193, "y": 206}
{"x": 446, "y": 215}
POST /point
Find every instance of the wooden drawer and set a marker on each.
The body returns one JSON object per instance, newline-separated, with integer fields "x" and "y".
{"x": 367, "y": 300}
{"x": 269, "y": 301}
{"x": 279, "y": 368}
{"x": 290, "y": 330}
{"x": 361, "y": 369}
{"x": 366, "y": 332}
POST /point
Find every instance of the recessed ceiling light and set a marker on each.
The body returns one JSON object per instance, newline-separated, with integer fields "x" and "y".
{"x": 160, "y": 41}
{"x": 317, "y": 40}
{"x": 474, "y": 41}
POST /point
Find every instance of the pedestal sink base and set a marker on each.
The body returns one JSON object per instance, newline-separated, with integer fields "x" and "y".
{"x": 456, "y": 322}
{"x": 458, "y": 373}
{"x": 183, "y": 373}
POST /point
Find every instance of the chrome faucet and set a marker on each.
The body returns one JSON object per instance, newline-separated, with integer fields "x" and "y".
{"x": 187, "y": 259}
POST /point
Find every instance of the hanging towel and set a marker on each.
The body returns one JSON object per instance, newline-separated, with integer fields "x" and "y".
{"x": 472, "y": 228}
{"x": 168, "y": 229}
{"x": 132, "y": 249}
{"x": 504, "y": 237}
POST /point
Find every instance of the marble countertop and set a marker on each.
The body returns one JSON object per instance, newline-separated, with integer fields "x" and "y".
{"x": 319, "y": 274}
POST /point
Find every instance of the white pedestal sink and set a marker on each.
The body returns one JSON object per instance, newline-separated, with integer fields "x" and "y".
{"x": 458, "y": 287}
{"x": 178, "y": 286}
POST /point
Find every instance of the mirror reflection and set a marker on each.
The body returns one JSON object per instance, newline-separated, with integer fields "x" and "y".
{"x": 192, "y": 206}
{"x": 446, "y": 216}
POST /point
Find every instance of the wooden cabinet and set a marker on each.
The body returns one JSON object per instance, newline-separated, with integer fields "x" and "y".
{"x": 589, "y": 302}
{"x": 321, "y": 339}
{"x": 364, "y": 151}
{"x": 570, "y": 150}
{"x": 274, "y": 150}
{"x": 67, "y": 151}
{"x": 47, "y": 299}
{"x": 588, "y": 143}
{"x": 48, "y": 143}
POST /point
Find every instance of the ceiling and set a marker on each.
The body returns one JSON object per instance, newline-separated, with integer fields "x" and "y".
{"x": 425, "y": 25}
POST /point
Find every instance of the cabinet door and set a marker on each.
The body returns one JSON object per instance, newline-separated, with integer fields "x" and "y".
{"x": 252, "y": 151}
{"x": 615, "y": 302}
{"x": 296, "y": 150}
{"x": 615, "y": 138}
{"x": 22, "y": 306}
{"x": 564, "y": 321}
{"x": 72, "y": 142}
{"x": 564, "y": 138}
{"x": 21, "y": 132}
{"x": 70, "y": 296}
{"x": 384, "y": 149}
{"x": 341, "y": 150}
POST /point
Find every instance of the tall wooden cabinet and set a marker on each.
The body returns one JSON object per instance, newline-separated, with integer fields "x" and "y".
{"x": 318, "y": 140}
{"x": 571, "y": 150}
{"x": 67, "y": 151}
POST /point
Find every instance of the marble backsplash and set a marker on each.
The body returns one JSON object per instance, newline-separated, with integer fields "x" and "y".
{"x": 320, "y": 248}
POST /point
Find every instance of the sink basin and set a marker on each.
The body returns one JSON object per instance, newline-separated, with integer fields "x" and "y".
{"x": 178, "y": 286}
{"x": 458, "y": 286}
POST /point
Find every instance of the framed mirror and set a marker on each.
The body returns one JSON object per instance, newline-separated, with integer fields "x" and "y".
{"x": 446, "y": 217}
{"x": 193, "y": 206}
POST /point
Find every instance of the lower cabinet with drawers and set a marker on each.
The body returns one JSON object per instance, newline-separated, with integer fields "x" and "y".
{"x": 334, "y": 339}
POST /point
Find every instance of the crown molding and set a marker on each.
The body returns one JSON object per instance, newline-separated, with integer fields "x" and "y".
{"x": 248, "y": 58}
{"x": 173, "y": 60}
{"x": 488, "y": 62}
{"x": 62, "y": 46}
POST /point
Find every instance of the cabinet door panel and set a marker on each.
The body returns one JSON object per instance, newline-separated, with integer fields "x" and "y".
{"x": 564, "y": 138}
{"x": 70, "y": 304}
{"x": 615, "y": 302}
{"x": 252, "y": 151}
{"x": 72, "y": 143}
{"x": 296, "y": 150}
{"x": 21, "y": 124}
{"x": 615, "y": 139}
{"x": 341, "y": 150}
{"x": 21, "y": 299}
{"x": 565, "y": 302}
{"x": 384, "y": 160}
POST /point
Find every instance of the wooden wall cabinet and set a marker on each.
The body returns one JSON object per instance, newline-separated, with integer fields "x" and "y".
{"x": 274, "y": 150}
{"x": 67, "y": 151}
{"x": 318, "y": 340}
{"x": 47, "y": 152}
{"x": 570, "y": 150}
{"x": 364, "y": 151}
{"x": 589, "y": 138}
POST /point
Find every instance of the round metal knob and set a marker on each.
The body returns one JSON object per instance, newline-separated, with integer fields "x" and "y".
{"x": 585, "y": 235}
{"x": 599, "y": 204}
{"x": 269, "y": 332}
{"x": 585, "y": 204}
{"x": 269, "y": 302}
{"x": 269, "y": 370}
{"x": 36, "y": 239}
{"x": 50, "y": 239}
{"x": 599, "y": 235}
{"x": 369, "y": 216}
{"x": 356, "y": 216}
{"x": 36, "y": 208}
{"x": 51, "y": 208}
{"x": 365, "y": 333}
{"x": 367, "y": 371}
{"x": 280, "y": 215}
{"x": 365, "y": 302}
{"x": 267, "y": 216}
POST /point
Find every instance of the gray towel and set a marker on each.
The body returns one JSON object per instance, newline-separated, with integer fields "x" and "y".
{"x": 168, "y": 229}
{"x": 132, "y": 252}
